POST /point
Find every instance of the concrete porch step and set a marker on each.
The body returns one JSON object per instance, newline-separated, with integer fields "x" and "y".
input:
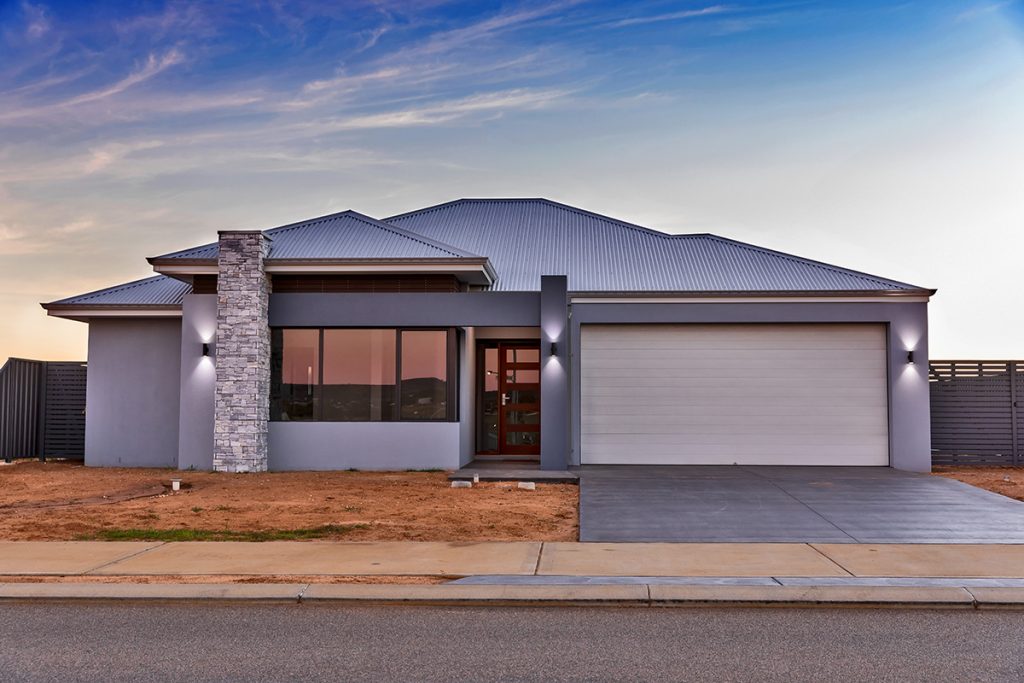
{"x": 515, "y": 474}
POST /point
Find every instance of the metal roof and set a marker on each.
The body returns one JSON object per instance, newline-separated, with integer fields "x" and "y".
{"x": 153, "y": 291}
{"x": 524, "y": 239}
{"x": 345, "y": 235}
{"x": 527, "y": 238}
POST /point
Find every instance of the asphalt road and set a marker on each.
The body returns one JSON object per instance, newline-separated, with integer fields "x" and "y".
{"x": 217, "y": 642}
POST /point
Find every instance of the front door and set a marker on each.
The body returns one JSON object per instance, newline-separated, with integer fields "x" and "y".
{"x": 510, "y": 399}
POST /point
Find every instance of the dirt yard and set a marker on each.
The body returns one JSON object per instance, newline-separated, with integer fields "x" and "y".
{"x": 64, "y": 501}
{"x": 1009, "y": 481}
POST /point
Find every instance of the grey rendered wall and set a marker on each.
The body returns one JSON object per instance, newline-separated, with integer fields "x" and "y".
{"x": 467, "y": 396}
{"x": 364, "y": 445}
{"x": 131, "y": 415}
{"x": 907, "y": 324}
{"x": 554, "y": 376}
{"x": 492, "y": 309}
{"x": 198, "y": 380}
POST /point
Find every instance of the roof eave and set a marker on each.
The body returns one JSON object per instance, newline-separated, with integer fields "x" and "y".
{"x": 789, "y": 294}
{"x": 87, "y": 312}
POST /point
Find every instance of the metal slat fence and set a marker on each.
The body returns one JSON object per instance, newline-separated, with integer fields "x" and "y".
{"x": 975, "y": 414}
{"x": 42, "y": 409}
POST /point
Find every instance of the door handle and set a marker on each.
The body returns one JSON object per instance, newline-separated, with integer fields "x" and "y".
{"x": 504, "y": 399}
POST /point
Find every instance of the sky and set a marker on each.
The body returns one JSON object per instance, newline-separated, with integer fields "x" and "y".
{"x": 886, "y": 137}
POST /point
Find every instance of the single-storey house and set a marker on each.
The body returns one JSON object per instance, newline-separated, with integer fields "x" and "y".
{"x": 500, "y": 328}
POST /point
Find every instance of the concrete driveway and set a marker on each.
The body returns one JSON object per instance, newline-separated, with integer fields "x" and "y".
{"x": 742, "y": 504}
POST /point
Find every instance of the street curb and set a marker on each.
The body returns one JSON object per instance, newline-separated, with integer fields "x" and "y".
{"x": 289, "y": 592}
{"x": 636, "y": 595}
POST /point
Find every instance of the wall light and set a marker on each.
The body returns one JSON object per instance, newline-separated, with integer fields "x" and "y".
{"x": 910, "y": 357}
{"x": 206, "y": 349}
{"x": 554, "y": 349}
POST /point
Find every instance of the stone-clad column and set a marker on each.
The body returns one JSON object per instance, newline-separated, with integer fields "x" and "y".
{"x": 242, "y": 401}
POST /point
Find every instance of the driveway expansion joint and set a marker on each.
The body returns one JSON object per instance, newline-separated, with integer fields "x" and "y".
{"x": 158, "y": 544}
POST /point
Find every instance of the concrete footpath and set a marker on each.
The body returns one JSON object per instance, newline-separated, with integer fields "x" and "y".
{"x": 957, "y": 575}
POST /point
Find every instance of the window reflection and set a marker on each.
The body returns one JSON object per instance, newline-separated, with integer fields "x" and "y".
{"x": 295, "y": 374}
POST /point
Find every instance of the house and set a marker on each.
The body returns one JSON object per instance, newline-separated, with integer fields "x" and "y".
{"x": 503, "y": 328}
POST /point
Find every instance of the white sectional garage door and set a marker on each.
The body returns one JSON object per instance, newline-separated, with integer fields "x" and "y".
{"x": 724, "y": 394}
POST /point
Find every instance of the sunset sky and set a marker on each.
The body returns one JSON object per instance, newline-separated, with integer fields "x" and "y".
{"x": 882, "y": 136}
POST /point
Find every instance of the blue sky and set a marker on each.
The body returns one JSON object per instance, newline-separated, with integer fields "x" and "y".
{"x": 882, "y": 136}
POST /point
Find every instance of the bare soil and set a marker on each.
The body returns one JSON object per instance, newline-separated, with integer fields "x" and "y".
{"x": 229, "y": 578}
{"x": 1008, "y": 481}
{"x": 67, "y": 501}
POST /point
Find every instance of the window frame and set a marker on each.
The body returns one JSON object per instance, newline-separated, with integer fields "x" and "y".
{"x": 451, "y": 374}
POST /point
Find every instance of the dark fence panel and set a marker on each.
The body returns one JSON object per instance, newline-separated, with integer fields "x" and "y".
{"x": 42, "y": 409}
{"x": 64, "y": 411}
{"x": 975, "y": 416}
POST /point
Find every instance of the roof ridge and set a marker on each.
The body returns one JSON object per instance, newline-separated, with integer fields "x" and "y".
{"x": 813, "y": 263}
{"x": 351, "y": 213}
{"x": 408, "y": 234}
{"x": 543, "y": 200}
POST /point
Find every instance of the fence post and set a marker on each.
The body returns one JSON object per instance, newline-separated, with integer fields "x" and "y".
{"x": 1013, "y": 413}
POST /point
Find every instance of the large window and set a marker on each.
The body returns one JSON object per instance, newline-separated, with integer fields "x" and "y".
{"x": 362, "y": 375}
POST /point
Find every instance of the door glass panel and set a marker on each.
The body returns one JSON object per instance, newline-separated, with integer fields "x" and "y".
{"x": 522, "y": 417}
{"x": 522, "y": 376}
{"x": 523, "y": 396}
{"x": 522, "y": 355}
{"x": 522, "y": 438}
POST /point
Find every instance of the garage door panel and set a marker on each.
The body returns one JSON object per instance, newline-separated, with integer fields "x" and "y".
{"x": 708, "y": 420}
{"x": 755, "y": 394}
{"x": 752, "y": 393}
{"x": 754, "y": 337}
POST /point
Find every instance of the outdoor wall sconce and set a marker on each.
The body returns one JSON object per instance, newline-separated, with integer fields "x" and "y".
{"x": 910, "y": 357}
{"x": 206, "y": 349}
{"x": 554, "y": 349}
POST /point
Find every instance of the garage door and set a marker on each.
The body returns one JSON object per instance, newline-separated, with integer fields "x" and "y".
{"x": 725, "y": 394}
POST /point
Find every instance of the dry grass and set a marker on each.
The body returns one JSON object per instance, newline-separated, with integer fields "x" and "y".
{"x": 65, "y": 501}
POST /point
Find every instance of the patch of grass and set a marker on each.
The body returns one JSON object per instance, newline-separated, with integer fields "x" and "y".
{"x": 197, "y": 509}
{"x": 324, "y": 531}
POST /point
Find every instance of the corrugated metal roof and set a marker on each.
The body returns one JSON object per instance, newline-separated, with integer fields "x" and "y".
{"x": 153, "y": 291}
{"x": 527, "y": 238}
{"x": 345, "y": 235}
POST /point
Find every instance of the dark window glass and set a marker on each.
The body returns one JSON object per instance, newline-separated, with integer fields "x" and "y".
{"x": 295, "y": 374}
{"x": 518, "y": 355}
{"x": 354, "y": 377}
{"x": 487, "y": 439}
{"x": 424, "y": 375}
{"x": 359, "y": 375}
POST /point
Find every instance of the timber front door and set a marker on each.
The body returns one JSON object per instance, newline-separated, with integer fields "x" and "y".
{"x": 509, "y": 399}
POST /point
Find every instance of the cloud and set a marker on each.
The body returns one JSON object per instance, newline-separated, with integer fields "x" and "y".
{"x": 442, "y": 112}
{"x": 37, "y": 21}
{"x": 102, "y": 157}
{"x": 346, "y": 82}
{"x": 446, "y": 41}
{"x": 981, "y": 10}
{"x": 153, "y": 66}
{"x": 672, "y": 16}
{"x": 75, "y": 227}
